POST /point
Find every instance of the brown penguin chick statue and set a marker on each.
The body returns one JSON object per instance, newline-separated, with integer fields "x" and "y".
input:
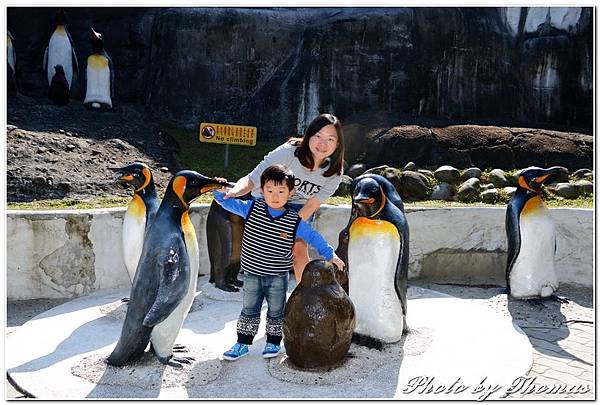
{"x": 319, "y": 319}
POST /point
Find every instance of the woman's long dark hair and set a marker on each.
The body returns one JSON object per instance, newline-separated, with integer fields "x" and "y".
{"x": 303, "y": 153}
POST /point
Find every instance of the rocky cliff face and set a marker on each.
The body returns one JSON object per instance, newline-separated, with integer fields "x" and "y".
{"x": 277, "y": 68}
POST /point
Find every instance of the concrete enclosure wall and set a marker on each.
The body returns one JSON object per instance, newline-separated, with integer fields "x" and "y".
{"x": 56, "y": 254}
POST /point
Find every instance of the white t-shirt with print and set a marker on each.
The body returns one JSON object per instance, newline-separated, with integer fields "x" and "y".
{"x": 307, "y": 183}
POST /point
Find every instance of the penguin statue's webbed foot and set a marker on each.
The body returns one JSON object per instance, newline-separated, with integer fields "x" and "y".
{"x": 178, "y": 348}
{"x": 539, "y": 302}
{"x": 176, "y": 362}
{"x": 237, "y": 283}
{"x": 558, "y": 299}
{"x": 367, "y": 341}
{"x": 125, "y": 300}
{"x": 226, "y": 287}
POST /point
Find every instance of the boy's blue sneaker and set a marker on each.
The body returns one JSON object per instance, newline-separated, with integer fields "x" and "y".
{"x": 271, "y": 350}
{"x": 238, "y": 350}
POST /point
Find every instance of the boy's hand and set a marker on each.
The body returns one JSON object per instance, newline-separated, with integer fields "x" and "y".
{"x": 338, "y": 262}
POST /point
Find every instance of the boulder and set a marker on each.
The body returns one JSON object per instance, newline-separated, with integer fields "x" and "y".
{"x": 565, "y": 190}
{"x": 427, "y": 173}
{"x": 509, "y": 191}
{"x": 410, "y": 166}
{"x": 584, "y": 186}
{"x": 378, "y": 170}
{"x": 344, "y": 189}
{"x": 447, "y": 174}
{"x": 399, "y": 144}
{"x": 391, "y": 174}
{"x": 488, "y": 186}
{"x": 513, "y": 179}
{"x": 442, "y": 191}
{"x": 413, "y": 186}
{"x": 469, "y": 190}
{"x": 490, "y": 196}
{"x": 581, "y": 173}
{"x": 356, "y": 170}
{"x": 498, "y": 178}
{"x": 470, "y": 173}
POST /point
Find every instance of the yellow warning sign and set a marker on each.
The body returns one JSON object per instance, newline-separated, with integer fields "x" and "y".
{"x": 228, "y": 134}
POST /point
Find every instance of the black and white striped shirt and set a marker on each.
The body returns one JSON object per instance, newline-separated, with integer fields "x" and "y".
{"x": 267, "y": 241}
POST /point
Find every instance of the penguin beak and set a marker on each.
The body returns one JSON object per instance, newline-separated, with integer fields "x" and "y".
{"x": 94, "y": 34}
{"x": 362, "y": 199}
{"x": 215, "y": 184}
{"x": 548, "y": 175}
{"x": 121, "y": 174}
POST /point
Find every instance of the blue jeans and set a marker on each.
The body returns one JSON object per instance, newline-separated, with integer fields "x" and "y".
{"x": 256, "y": 290}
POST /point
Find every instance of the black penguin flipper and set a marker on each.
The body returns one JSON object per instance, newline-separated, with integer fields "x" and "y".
{"x": 173, "y": 285}
{"x": 344, "y": 238}
{"x": 134, "y": 336}
{"x": 75, "y": 62}
{"x": 112, "y": 77}
{"x": 131, "y": 345}
{"x": 513, "y": 232}
{"x": 401, "y": 275}
{"x": 45, "y": 63}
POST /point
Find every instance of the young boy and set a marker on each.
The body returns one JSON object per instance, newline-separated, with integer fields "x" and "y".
{"x": 269, "y": 234}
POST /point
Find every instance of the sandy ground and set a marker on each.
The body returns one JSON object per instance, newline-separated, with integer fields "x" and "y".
{"x": 525, "y": 314}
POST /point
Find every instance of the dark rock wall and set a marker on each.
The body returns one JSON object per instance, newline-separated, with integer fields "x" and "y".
{"x": 277, "y": 68}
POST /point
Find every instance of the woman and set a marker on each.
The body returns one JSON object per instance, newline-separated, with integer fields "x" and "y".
{"x": 317, "y": 162}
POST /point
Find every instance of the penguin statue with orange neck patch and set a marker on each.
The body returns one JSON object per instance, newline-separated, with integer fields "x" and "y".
{"x": 140, "y": 212}
{"x": 531, "y": 237}
{"x": 99, "y": 76}
{"x": 165, "y": 281}
{"x": 61, "y": 51}
{"x": 375, "y": 246}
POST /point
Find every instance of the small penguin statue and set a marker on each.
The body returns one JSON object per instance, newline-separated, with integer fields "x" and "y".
{"x": 59, "y": 92}
{"x": 319, "y": 318}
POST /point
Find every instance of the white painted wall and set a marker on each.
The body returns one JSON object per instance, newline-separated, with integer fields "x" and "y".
{"x": 40, "y": 250}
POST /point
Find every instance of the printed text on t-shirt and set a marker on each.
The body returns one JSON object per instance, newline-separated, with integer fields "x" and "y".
{"x": 306, "y": 187}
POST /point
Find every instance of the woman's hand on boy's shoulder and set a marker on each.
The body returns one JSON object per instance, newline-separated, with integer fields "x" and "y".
{"x": 223, "y": 189}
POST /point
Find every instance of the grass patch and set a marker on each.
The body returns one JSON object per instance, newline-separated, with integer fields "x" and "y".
{"x": 581, "y": 202}
{"x": 70, "y": 204}
{"x": 208, "y": 158}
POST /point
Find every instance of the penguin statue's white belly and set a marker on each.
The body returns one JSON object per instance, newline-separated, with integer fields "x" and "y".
{"x": 134, "y": 226}
{"x": 532, "y": 274}
{"x": 373, "y": 250}
{"x": 164, "y": 334}
{"x": 60, "y": 52}
{"x": 98, "y": 81}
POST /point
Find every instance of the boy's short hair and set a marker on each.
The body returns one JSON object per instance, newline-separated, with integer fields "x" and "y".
{"x": 279, "y": 174}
